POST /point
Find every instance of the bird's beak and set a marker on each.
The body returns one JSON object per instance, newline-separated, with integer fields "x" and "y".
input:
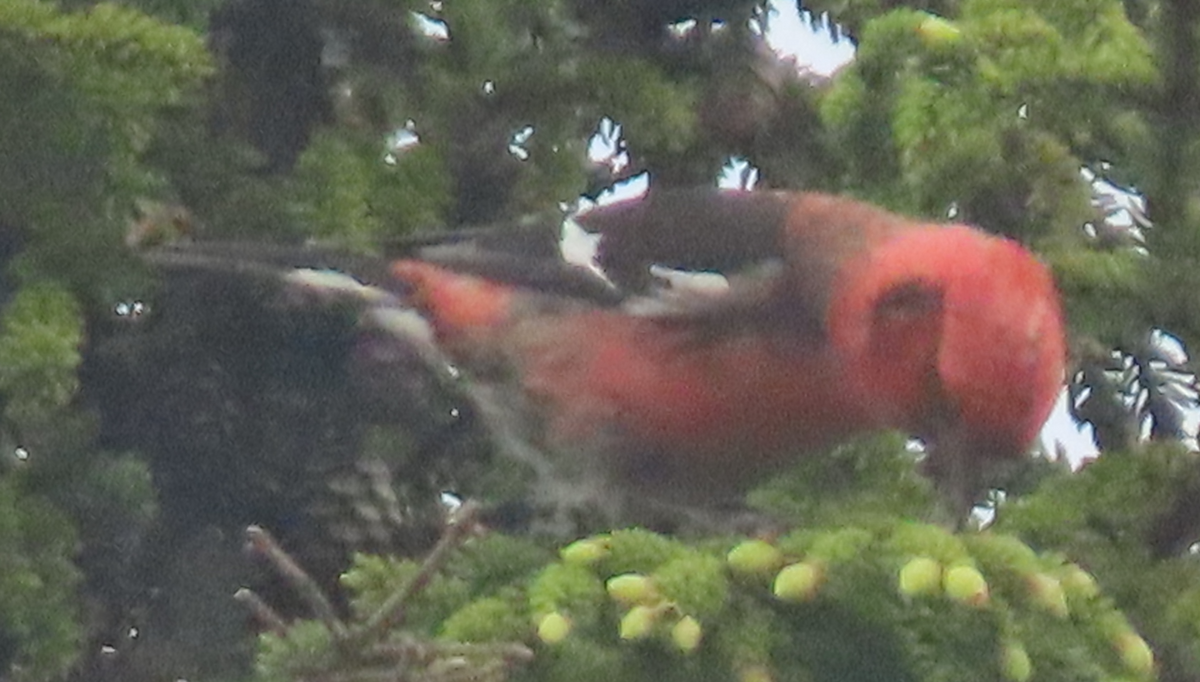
{"x": 963, "y": 463}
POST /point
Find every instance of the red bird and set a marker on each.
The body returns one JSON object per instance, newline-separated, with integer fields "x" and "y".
{"x": 837, "y": 318}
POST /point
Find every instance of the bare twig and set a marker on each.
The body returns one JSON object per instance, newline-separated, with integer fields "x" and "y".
{"x": 263, "y": 544}
{"x": 376, "y": 651}
{"x": 262, "y": 611}
{"x": 394, "y": 609}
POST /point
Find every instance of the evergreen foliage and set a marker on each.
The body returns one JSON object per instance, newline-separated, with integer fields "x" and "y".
{"x": 148, "y": 417}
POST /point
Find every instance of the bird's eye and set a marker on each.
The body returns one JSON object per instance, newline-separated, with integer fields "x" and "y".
{"x": 907, "y": 302}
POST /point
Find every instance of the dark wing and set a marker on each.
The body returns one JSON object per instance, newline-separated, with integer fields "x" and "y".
{"x": 263, "y": 258}
{"x": 734, "y": 234}
{"x": 743, "y": 236}
{"x": 524, "y": 256}
{"x": 701, "y": 229}
{"x": 645, "y": 251}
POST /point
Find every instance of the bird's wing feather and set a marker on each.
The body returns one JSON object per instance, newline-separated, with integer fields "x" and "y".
{"x": 646, "y": 253}
{"x": 778, "y": 251}
{"x": 772, "y": 254}
{"x": 687, "y": 229}
{"x": 766, "y": 259}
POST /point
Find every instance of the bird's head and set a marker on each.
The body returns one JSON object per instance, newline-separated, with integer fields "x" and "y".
{"x": 956, "y": 336}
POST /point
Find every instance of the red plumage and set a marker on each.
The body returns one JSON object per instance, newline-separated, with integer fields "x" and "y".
{"x": 839, "y": 318}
